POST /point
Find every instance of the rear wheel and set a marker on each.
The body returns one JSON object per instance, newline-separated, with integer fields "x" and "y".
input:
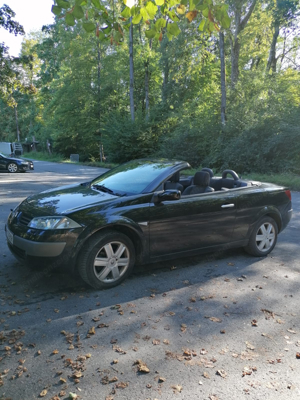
{"x": 263, "y": 238}
{"x": 107, "y": 260}
{"x": 12, "y": 167}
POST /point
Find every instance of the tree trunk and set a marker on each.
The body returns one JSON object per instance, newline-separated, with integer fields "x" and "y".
{"x": 239, "y": 25}
{"x": 99, "y": 100}
{"x": 235, "y": 55}
{"x": 223, "y": 79}
{"x": 17, "y": 123}
{"x": 131, "y": 73}
{"x": 272, "y": 60}
{"x": 147, "y": 88}
{"x": 166, "y": 74}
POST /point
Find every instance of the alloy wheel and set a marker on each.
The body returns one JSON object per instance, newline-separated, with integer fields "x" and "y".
{"x": 111, "y": 262}
{"x": 12, "y": 167}
{"x": 265, "y": 236}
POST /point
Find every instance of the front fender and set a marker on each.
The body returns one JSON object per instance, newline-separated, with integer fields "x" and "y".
{"x": 122, "y": 224}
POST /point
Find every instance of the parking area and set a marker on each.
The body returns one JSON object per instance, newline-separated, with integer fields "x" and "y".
{"x": 218, "y": 326}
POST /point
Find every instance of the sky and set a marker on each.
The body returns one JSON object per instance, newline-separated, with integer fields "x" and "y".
{"x": 32, "y": 15}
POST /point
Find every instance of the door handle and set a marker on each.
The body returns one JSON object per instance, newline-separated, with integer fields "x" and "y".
{"x": 227, "y": 205}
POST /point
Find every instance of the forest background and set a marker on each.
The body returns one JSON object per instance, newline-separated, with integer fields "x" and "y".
{"x": 224, "y": 98}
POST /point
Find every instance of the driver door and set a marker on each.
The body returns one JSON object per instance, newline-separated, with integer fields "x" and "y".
{"x": 192, "y": 223}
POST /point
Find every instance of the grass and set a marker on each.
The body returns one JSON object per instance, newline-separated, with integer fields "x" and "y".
{"x": 43, "y": 156}
{"x": 292, "y": 181}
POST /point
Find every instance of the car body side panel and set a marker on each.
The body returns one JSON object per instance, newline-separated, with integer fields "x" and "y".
{"x": 253, "y": 204}
{"x": 191, "y": 223}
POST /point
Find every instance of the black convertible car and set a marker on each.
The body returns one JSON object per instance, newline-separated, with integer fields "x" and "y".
{"x": 13, "y": 164}
{"x": 145, "y": 211}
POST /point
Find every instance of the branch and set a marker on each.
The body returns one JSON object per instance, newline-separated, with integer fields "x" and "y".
{"x": 246, "y": 18}
{"x": 293, "y": 62}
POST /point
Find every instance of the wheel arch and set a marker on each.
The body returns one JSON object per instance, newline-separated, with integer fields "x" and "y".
{"x": 131, "y": 233}
{"x": 276, "y": 218}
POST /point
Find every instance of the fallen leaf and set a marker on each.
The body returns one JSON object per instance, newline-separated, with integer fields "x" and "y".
{"x": 55, "y": 351}
{"x": 142, "y": 367}
{"x": 121, "y": 385}
{"x": 214, "y": 319}
{"x": 73, "y": 396}
{"x": 206, "y": 375}
{"x": 221, "y": 373}
{"x": 178, "y": 388}
{"x": 91, "y": 331}
{"x": 249, "y": 346}
{"x": 43, "y": 393}
{"x": 156, "y": 341}
{"x": 102, "y": 326}
{"x": 254, "y": 322}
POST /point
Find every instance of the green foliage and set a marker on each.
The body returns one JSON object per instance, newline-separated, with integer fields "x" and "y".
{"x": 74, "y": 88}
{"x": 125, "y": 140}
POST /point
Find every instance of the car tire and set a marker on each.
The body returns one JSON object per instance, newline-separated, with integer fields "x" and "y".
{"x": 12, "y": 167}
{"x": 116, "y": 258}
{"x": 263, "y": 238}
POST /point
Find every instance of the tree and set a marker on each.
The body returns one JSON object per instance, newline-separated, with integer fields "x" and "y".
{"x": 241, "y": 11}
{"x": 283, "y": 13}
{"x": 8, "y": 23}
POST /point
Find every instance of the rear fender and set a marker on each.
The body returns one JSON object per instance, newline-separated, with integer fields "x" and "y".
{"x": 269, "y": 211}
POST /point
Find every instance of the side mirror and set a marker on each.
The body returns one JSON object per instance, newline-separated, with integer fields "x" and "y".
{"x": 168, "y": 195}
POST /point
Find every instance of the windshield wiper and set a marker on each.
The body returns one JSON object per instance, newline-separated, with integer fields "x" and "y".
{"x": 104, "y": 189}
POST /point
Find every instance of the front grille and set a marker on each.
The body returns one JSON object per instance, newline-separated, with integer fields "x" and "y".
{"x": 24, "y": 219}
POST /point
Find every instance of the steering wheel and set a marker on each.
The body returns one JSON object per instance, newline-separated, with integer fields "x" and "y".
{"x": 230, "y": 172}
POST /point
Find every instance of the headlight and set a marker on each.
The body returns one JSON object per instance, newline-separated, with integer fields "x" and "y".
{"x": 53, "y": 223}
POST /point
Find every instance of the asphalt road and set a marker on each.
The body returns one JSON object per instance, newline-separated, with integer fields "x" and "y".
{"x": 219, "y": 326}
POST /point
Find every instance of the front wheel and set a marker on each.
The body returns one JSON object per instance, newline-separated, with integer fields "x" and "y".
{"x": 106, "y": 260}
{"x": 12, "y": 167}
{"x": 263, "y": 238}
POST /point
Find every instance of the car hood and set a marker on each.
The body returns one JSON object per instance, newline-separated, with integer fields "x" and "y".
{"x": 16, "y": 159}
{"x": 64, "y": 200}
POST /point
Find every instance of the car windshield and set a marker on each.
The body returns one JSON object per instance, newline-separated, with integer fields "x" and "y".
{"x": 2, "y": 155}
{"x": 132, "y": 177}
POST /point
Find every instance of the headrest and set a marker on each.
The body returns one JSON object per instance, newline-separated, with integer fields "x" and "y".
{"x": 201, "y": 179}
{"x": 210, "y": 171}
{"x": 175, "y": 177}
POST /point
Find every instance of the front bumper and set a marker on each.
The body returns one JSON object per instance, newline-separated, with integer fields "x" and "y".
{"x": 22, "y": 167}
{"x": 35, "y": 249}
{"x": 40, "y": 248}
